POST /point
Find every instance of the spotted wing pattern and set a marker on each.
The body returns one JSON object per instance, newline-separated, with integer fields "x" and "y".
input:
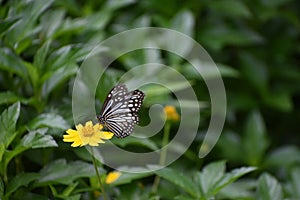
{"x": 119, "y": 111}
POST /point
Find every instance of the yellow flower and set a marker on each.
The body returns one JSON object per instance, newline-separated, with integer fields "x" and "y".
{"x": 112, "y": 177}
{"x": 89, "y": 134}
{"x": 171, "y": 113}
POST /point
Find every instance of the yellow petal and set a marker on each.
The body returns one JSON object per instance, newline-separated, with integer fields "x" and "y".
{"x": 79, "y": 127}
{"x": 106, "y": 135}
{"x": 112, "y": 177}
{"x": 89, "y": 123}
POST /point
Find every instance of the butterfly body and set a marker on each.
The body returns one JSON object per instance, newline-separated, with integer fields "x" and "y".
{"x": 119, "y": 111}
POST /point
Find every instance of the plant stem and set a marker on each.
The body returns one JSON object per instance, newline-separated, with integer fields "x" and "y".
{"x": 98, "y": 175}
{"x": 163, "y": 154}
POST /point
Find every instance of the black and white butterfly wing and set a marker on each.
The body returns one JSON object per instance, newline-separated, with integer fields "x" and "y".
{"x": 119, "y": 111}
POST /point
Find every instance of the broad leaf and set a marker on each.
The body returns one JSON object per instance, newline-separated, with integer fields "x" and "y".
{"x": 231, "y": 8}
{"x": 231, "y": 177}
{"x": 20, "y": 180}
{"x": 8, "y": 120}
{"x": 295, "y": 182}
{"x": 38, "y": 139}
{"x": 49, "y": 120}
{"x": 283, "y": 157}
{"x": 9, "y": 97}
{"x": 62, "y": 172}
{"x": 6, "y": 24}
{"x": 255, "y": 136}
{"x": 210, "y": 176}
{"x": 57, "y": 77}
{"x": 269, "y": 188}
{"x": 129, "y": 177}
{"x": 12, "y": 63}
{"x": 178, "y": 179}
{"x": 1, "y": 188}
{"x": 40, "y": 56}
{"x": 34, "y": 139}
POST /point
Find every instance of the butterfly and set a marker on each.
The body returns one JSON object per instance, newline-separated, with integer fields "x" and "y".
{"x": 119, "y": 111}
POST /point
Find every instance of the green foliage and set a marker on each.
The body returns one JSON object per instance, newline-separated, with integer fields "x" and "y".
{"x": 256, "y": 48}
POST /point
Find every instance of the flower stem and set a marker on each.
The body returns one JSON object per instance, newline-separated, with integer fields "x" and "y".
{"x": 163, "y": 154}
{"x": 98, "y": 175}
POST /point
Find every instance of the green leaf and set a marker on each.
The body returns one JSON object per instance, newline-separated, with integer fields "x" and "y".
{"x": 8, "y": 120}
{"x": 20, "y": 180}
{"x": 12, "y": 63}
{"x": 38, "y": 139}
{"x": 62, "y": 172}
{"x": 255, "y": 71}
{"x": 218, "y": 35}
{"x": 57, "y": 77}
{"x": 269, "y": 188}
{"x": 48, "y": 120}
{"x": 1, "y": 188}
{"x": 129, "y": 177}
{"x": 230, "y": 8}
{"x": 40, "y": 56}
{"x": 34, "y": 76}
{"x": 184, "y": 23}
{"x": 7, "y": 23}
{"x": 231, "y": 177}
{"x": 29, "y": 12}
{"x": 295, "y": 182}
{"x": 178, "y": 179}
{"x": 68, "y": 190}
{"x": 255, "y": 136}
{"x": 210, "y": 176}
{"x": 281, "y": 100}
{"x": 283, "y": 157}
{"x": 34, "y": 139}
{"x": 9, "y": 97}
{"x": 242, "y": 189}
{"x": 51, "y": 21}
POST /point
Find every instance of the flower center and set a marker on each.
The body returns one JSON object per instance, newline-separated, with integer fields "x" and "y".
{"x": 88, "y": 131}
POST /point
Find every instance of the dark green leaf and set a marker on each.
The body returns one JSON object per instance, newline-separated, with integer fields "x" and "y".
{"x": 255, "y": 71}
{"x": 283, "y": 157}
{"x": 129, "y": 177}
{"x": 255, "y": 136}
{"x": 281, "y": 100}
{"x": 48, "y": 120}
{"x": 12, "y": 63}
{"x": 295, "y": 182}
{"x": 31, "y": 10}
{"x": 6, "y": 24}
{"x": 52, "y": 21}
{"x": 57, "y": 77}
{"x": 20, "y": 180}
{"x": 8, "y": 120}
{"x": 269, "y": 188}
{"x": 9, "y": 97}
{"x": 230, "y": 8}
{"x": 1, "y": 188}
{"x": 62, "y": 172}
{"x": 40, "y": 56}
{"x": 218, "y": 37}
{"x": 178, "y": 179}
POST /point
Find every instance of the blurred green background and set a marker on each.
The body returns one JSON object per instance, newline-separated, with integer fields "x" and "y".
{"x": 255, "y": 45}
